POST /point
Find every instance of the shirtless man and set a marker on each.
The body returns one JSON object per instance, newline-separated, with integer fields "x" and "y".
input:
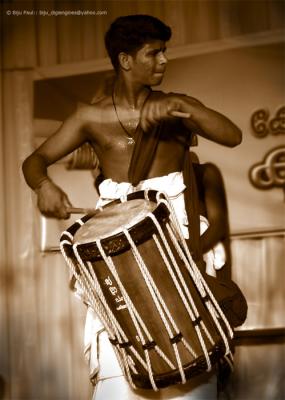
{"x": 136, "y": 46}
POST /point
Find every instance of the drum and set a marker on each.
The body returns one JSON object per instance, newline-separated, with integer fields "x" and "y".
{"x": 134, "y": 267}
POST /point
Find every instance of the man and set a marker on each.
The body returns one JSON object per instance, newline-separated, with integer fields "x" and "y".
{"x": 131, "y": 113}
{"x": 215, "y": 238}
{"x": 213, "y": 206}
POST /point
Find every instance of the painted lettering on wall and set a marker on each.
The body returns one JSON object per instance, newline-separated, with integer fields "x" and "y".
{"x": 270, "y": 171}
{"x": 262, "y": 125}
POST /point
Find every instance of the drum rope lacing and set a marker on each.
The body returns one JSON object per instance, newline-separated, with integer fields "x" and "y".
{"x": 101, "y": 308}
{"x": 133, "y": 313}
{"x": 90, "y": 286}
{"x": 87, "y": 288}
{"x": 137, "y": 320}
{"x": 118, "y": 333}
{"x": 182, "y": 296}
{"x": 207, "y": 302}
{"x": 198, "y": 277}
{"x": 157, "y": 298}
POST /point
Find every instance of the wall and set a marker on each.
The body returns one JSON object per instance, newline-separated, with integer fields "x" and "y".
{"x": 237, "y": 83}
{"x": 53, "y": 39}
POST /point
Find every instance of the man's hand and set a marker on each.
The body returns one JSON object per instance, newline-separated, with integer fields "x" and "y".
{"x": 161, "y": 106}
{"x": 52, "y": 201}
{"x": 197, "y": 118}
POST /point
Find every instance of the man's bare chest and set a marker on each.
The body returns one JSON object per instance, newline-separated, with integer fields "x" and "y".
{"x": 109, "y": 139}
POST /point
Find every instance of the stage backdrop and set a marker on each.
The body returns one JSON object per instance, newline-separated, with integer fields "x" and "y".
{"x": 238, "y": 83}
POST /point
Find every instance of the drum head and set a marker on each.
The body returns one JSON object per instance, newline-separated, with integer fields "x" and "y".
{"x": 113, "y": 219}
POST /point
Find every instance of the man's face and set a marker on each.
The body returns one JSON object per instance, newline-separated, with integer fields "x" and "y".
{"x": 149, "y": 63}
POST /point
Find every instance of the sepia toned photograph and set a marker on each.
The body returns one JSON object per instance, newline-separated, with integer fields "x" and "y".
{"x": 142, "y": 200}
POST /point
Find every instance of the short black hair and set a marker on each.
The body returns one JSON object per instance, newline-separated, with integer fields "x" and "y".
{"x": 129, "y": 33}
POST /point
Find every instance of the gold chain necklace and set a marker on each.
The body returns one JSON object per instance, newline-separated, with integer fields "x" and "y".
{"x": 130, "y": 139}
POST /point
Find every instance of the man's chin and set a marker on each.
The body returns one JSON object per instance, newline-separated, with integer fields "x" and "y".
{"x": 157, "y": 79}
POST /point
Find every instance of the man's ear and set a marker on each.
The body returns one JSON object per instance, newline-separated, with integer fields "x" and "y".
{"x": 125, "y": 61}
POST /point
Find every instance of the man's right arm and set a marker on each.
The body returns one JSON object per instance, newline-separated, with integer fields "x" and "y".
{"x": 52, "y": 201}
{"x": 216, "y": 207}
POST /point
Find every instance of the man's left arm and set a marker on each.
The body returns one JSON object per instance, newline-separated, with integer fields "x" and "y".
{"x": 198, "y": 118}
{"x": 209, "y": 123}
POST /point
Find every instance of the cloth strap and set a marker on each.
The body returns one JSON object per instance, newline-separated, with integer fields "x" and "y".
{"x": 192, "y": 210}
{"x": 143, "y": 154}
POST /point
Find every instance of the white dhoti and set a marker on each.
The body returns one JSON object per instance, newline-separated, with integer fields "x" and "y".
{"x": 105, "y": 372}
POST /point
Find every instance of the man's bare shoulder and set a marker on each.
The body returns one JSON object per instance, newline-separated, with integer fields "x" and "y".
{"x": 163, "y": 93}
{"x": 95, "y": 111}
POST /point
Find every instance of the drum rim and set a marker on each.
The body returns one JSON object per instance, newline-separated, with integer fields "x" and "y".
{"x": 118, "y": 243}
{"x": 191, "y": 370}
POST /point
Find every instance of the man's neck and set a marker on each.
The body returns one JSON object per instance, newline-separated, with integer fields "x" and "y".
{"x": 129, "y": 94}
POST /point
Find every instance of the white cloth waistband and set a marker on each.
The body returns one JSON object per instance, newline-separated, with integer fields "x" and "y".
{"x": 171, "y": 184}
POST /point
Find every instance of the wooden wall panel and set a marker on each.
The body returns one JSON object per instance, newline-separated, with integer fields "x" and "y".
{"x": 4, "y": 281}
{"x": 171, "y": 15}
{"x": 229, "y": 18}
{"x": 19, "y": 37}
{"x": 46, "y": 28}
{"x": 91, "y": 47}
{"x": 201, "y": 21}
{"x": 50, "y": 40}
{"x": 63, "y": 371}
{"x": 69, "y": 35}
{"x": 253, "y": 16}
{"x": 276, "y": 14}
{"x": 18, "y": 267}
{"x": 258, "y": 268}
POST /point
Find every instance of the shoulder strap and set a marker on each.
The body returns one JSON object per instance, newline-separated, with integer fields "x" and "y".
{"x": 141, "y": 161}
{"x": 143, "y": 153}
{"x": 192, "y": 208}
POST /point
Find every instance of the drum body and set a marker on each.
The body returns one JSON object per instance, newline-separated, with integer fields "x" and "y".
{"x": 160, "y": 318}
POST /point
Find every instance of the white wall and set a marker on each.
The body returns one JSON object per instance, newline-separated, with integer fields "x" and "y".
{"x": 237, "y": 83}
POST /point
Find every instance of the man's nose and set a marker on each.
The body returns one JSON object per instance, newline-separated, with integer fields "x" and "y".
{"x": 162, "y": 58}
